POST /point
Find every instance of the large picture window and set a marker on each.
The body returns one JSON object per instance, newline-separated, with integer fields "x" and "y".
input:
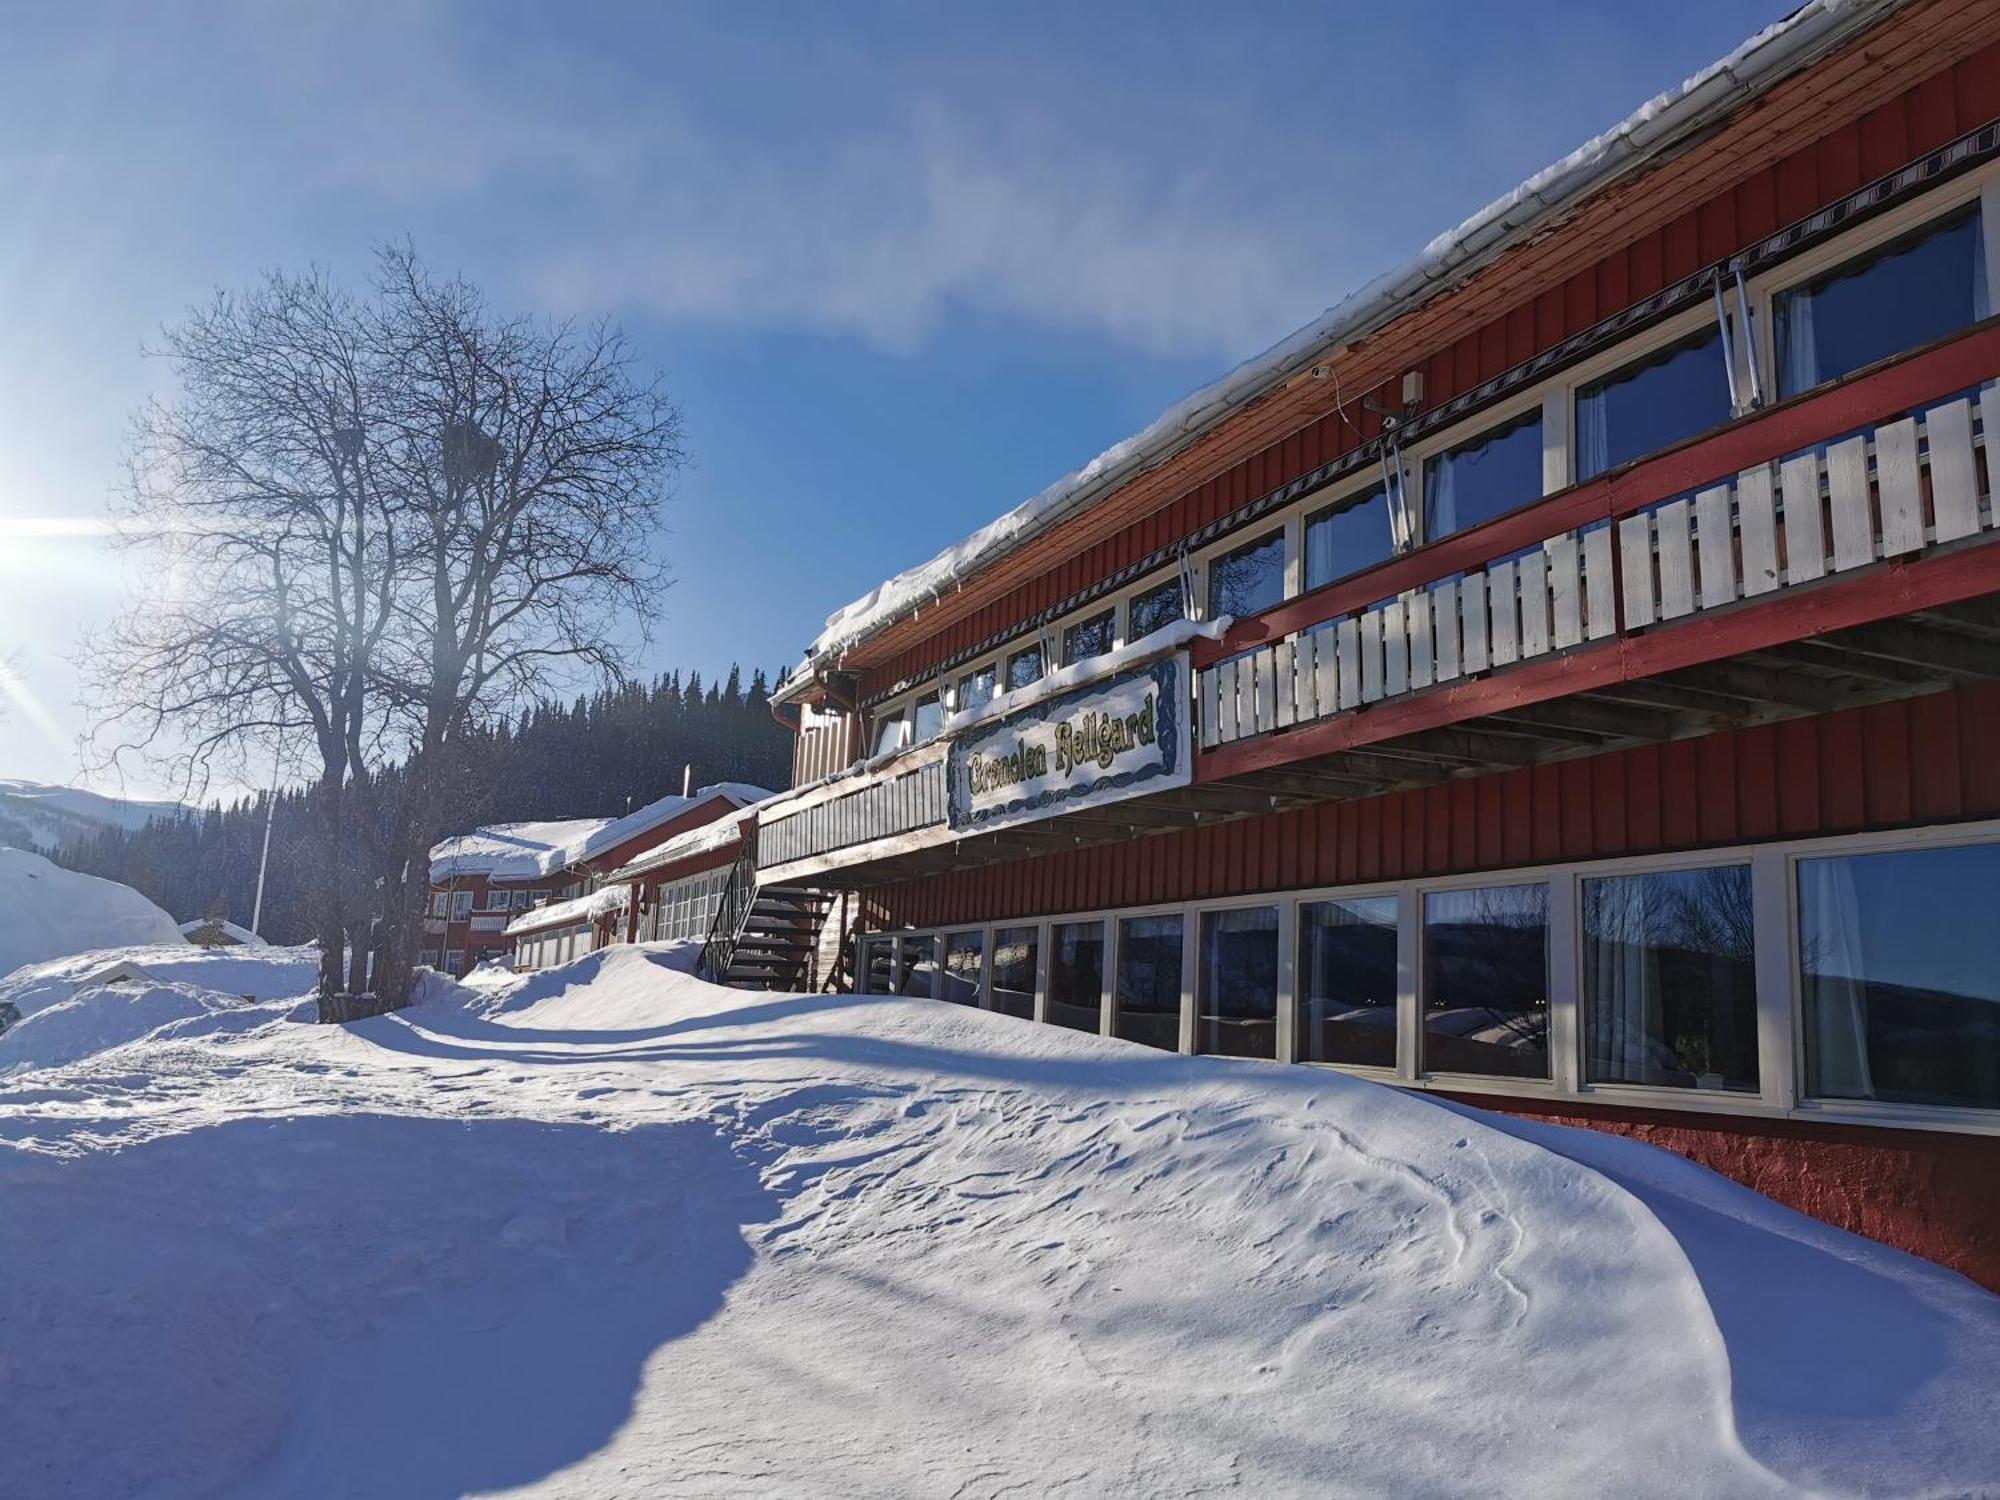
{"x": 1347, "y": 981}
{"x": 1076, "y": 975}
{"x": 1156, "y": 609}
{"x": 963, "y": 956}
{"x": 1652, "y": 403}
{"x": 1148, "y": 992}
{"x": 889, "y": 730}
{"x": 1087, "y": 638}
{"x": 1669, "y": 979}
{"x": 929, "y": 717}
{"x": 1236, "y": 996}
{"x": 1910, "y": 291}
{"x": 1494, "y": 473}
{"x": 1024, "y": 667}
{"x": 1346, "y": 538}
{"x": 875, "y": 966}
{"x": 916, "y": 971}
{"x": 975, "y": 689}
{"x": 1015, "y": 954}
{"x": 1486, "y": 981}
{"x": 1899, "y": 965}
{"x": 1248, "y": 580}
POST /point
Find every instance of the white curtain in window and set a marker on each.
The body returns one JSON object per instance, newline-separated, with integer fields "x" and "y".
{"x": 1798, "y": 349}
{"x": 1832, "y": 967}
{"x": 1982, "y": 294}
{"x": 1593, "y": 433}
{"x": 1440, "y": 498}
{"x": 1624, "y": 996}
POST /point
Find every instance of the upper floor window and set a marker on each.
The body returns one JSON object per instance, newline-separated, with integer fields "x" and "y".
{"x": 975, "y": 689}
{"x": 1653, "y": 402}
{"x": 1346, "y": 538}
{"x": 889, "y": 733}
{"x": 1025, "y": 666}
{"x": 1498, "y": 471}
{"x": 1092, "y": 637}
{"x": 1249, "y": 580}
{"x": 1156, "y": 608}
{"x": 1905, "y": 293}
{"x": 929, "y": 718}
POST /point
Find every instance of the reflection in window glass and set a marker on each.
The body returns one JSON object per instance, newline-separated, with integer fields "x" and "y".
{"x": 1092, "y": 637}
{"x": 1910, "y": 291}
{"x": 975, "y": 689}
{"x": 917, "y": 973}
{"x": 1236, "y": 993}
{"x": 1652, "y": 403}
{"x": 1486, "y": 981}
{"x": 1249, "y": 580}
{"x": 1076, "y": 975}
{"x": 1148, "y": 992}
{"x": 1347, "y": 981}
{"x": 1899, "y": 961}
{"x": 1347, "y": 539}
{"x": 1014, "y": 958}
{"x": 1156, "y": 609}
{"x": 889, "y": 732}
{"x": 1024, "y": 667}
{"x": 875, "y": 976}
{"x": 1496, "y": 472}
{"x": 930, "y": 718}
{"x": 963, "y": 952}
{"x": 1669, "y": 979}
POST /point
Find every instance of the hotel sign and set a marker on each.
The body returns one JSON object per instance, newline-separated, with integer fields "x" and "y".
{"x": 1123, "y": 737}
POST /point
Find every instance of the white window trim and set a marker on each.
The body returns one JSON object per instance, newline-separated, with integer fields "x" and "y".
{"x": 1779, "y": 996}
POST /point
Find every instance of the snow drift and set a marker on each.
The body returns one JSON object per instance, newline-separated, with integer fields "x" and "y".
{"x": 609, "y": 1230}
{"x": 47, "y": 912}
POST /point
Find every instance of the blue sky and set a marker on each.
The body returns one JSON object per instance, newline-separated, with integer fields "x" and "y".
{"x": 902, "y": 264}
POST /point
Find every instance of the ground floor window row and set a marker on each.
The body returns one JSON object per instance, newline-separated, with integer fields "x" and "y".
{"x": 556, "y": 946}
{"x": 684, "y": 909}
{"x": 1858, "y": 974}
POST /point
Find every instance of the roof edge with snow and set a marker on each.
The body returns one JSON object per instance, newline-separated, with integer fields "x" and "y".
{"x": 1773, "y": 54}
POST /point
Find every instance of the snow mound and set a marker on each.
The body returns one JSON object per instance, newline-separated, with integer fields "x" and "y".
{"x": 47, "y": 912}
{"x": 105, "y": 1016}
{"x": 613, "y": 1231}
{"x": 262, "y": 973}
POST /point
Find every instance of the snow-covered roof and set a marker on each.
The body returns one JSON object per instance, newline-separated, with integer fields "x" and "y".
{"x": 535, "y": 851}
{"x": 717, "y": 835}
{"x": 224, "y": 926}
{"x": 1773, "y": 54}
{"x": 586, "y": 908}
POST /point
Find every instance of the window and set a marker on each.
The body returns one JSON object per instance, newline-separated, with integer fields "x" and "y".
{"x": 929, "y": 718}
{"x": 1148, "y": 992}
{"x": 1347, "y": 981}
{"x": 1486, "y": 981}
{"x": 1669, "y": 980}
{"x": 1024, "y": 667}
{"x": 1348, "y": 537}
{"x": 1496, "y": 472}
{"x": 461, "y": 905}
{"x": 975, "y": 689}
{"x": 1015, "y": 952}
{"x": 963, "y": 952}
{"x": 1076, "y": 975}
{"x": 916, "y": 973}
{"x": 454, "y": 961}
{"x": 1652, "y": 403}
{"x": 874, "y": 965}
{"x": 1236, "y": 994}
{"x": 441, "y": 904}
{"x": 1906, "y": 293}
{"x": 494, "y": 900}
{"x": 521, "y": 900}
{"x": 1249, "y": 580}
{"x": 889, "y": 732}
{"x": 1087, "y": 638}
{"x": 1155, "y": 609}
{"x": 1899, "y": 967}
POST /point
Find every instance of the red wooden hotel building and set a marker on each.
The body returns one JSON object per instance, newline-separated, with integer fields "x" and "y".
{"x": 1565, "y": 677}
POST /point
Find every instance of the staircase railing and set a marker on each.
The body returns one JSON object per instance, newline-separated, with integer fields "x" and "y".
{"x": 738, "y": 896}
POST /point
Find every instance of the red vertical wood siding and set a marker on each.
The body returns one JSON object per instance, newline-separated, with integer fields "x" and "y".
{"x": 1924, "y": 759}
{"x": 1922, "y": 118}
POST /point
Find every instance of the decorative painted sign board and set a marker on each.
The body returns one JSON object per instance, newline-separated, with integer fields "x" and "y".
{"x": 1126, "y": 736}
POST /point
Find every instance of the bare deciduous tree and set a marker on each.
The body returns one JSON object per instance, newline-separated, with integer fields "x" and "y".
{"x": 375, "y": 525}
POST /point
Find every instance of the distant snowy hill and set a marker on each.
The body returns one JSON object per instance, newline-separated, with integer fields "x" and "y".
{"x": 605, "y": 1230}
{"x": 49, "y": 912}
{"x": 46, "y": 817}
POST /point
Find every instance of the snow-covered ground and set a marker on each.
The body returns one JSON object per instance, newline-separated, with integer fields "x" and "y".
{"x": 605, "y": 1230}
{"x": 49, "y": 912}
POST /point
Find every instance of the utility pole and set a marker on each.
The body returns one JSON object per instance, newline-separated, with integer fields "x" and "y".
{"x": 264, "y": 859}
